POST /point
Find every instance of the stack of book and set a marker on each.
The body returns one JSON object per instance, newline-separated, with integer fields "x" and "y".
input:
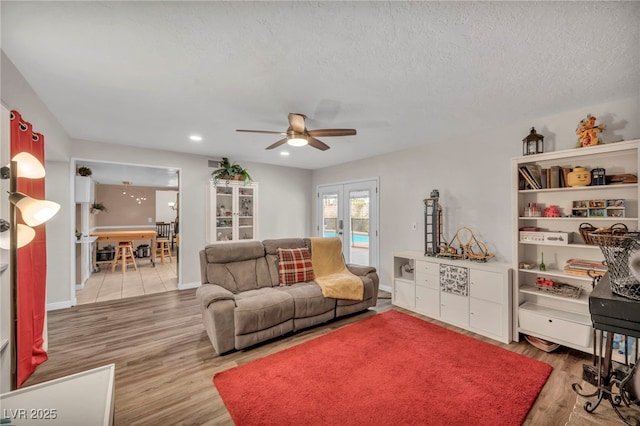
{"x": 581, "y": 268}
{"x": 535, "y": 177}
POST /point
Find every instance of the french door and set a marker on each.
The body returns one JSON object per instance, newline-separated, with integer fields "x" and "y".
{"x": 350, "y": 211}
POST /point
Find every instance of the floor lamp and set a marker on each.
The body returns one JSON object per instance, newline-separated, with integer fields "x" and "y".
{"x": 34, "y": 212}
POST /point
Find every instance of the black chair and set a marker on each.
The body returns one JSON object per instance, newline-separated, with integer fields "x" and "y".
{"x": 163, "y": 230}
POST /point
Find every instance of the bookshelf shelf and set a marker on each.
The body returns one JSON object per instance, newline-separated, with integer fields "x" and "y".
{"x": 580, "y": 219}
{"x": 552, "y": 317}
{"x": 582, "y": 188}
{"x": 530, "y": 289}
{"x": 555, "y": 273}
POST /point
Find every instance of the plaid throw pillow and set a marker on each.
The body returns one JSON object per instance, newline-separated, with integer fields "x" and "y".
{"x": 294, "y": 266}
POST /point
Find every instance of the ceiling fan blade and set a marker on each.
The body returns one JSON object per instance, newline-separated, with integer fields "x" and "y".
{"x": 277, "y": 144}
{"x": 332, "y": 132}
{"x": 296, "y": 122}
{"x": 262, "y": 131}
{"x": 317, "y": 144}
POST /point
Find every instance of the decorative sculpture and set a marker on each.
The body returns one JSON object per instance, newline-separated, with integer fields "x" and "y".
{"x": 587, "y": 132}
{"x": 432, "y": 224}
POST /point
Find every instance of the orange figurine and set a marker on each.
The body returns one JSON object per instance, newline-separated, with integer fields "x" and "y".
{"x": 587, "y": 131}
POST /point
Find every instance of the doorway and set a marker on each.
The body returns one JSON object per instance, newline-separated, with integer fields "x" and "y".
{"x": 130, "y": 194}
{"x": 349, "y": 211}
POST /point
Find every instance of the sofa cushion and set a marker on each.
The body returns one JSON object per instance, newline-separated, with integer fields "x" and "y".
{"x": 260, "y": 309}
{"x": 294, "y": 266}
{"x": 234, "y": 252}
{"x": 308, "y": 300}
{"x": 239, "y": 276}
{"x": 272, "y": 246}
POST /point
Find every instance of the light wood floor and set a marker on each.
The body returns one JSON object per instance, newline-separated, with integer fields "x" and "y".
{"x": 106, "y": 285}
{"x": 165, "y": 363}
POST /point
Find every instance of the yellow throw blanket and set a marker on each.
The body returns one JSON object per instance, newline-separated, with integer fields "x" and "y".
{"x": 332, "y": 275}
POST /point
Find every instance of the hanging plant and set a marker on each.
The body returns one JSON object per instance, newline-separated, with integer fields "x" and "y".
{"x": 228, "y": 171}
{"x": 97, "y": 208}
{"x": 84, "y": 171}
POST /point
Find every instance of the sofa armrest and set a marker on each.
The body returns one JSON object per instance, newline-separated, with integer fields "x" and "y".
{"x": 210, "y": 293}
{"x": 360, "y": 270}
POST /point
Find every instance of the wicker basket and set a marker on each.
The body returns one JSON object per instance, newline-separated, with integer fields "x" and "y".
{"x": 618, "y": 249}
{"x": 587, "y": 231}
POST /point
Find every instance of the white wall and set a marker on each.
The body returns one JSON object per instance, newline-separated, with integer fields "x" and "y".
{"x": 17, "y": 94}
{"x": 472, "y": 175}
{"x": 284, "y": 203}
{"x": 164, "y": 213}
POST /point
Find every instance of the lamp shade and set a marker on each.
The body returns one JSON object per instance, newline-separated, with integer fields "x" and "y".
{"x": 29, "y": 166}
{"x": 25, "y": 236}
{"x": 297, "y": 141}
{"x": 34, "y": 212}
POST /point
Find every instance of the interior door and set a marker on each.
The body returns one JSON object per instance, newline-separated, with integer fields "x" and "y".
{"x": 350, "y": 212}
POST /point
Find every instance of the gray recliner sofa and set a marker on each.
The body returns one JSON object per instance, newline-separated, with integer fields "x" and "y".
{"x": 243, "y": 304}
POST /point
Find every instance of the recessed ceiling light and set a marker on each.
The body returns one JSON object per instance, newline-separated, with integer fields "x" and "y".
{"x": 284, "y": 153}
{"x": 195, "y": 138}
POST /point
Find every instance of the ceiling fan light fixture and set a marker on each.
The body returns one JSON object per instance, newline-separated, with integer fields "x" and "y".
{"x": 297, "y": 141}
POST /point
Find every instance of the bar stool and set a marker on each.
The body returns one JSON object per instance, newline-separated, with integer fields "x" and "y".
{"x": 163, "y": 249}
{"x": 124, "y": 255}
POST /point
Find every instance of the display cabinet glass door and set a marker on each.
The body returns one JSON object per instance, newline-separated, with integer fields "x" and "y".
{"x": 234, "y": 215}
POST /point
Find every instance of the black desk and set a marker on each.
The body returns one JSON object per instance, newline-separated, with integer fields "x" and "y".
{"x": 614, "y": 381}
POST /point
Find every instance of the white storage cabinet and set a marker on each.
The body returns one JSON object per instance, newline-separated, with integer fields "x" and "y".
{"x": 471, "y": 295}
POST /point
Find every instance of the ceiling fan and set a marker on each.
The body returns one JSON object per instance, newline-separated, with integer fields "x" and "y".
{"x": 298, "y": 135}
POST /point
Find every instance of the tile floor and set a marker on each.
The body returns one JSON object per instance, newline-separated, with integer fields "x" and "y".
{"x": 105, "y": 285}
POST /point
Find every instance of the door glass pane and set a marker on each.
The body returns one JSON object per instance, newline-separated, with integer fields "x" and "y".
{"x": 359, "y": 227}
{"x": 245, "y": 214}
{"x": 224, "y": 207}
{"x": 329, "y": 214}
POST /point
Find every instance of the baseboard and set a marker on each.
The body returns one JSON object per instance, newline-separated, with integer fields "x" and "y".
{"x": 58, "y": 305}
{"x": 186, "y": 286}
{"x": 79, "y": 286}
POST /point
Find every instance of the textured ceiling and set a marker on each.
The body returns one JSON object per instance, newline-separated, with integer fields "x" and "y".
{"x": 403, "y": 74}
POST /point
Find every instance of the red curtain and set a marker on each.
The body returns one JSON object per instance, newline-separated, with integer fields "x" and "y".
{"x": 32, "y": 260}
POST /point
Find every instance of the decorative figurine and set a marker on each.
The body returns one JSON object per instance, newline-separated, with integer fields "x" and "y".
{"x": 552, "y": 211}
{"x": 587, "y": 132}
{"x": 542, "y": 266}
{"x": 579, "y": 177}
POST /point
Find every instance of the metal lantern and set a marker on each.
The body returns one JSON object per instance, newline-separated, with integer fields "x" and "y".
{"x": 533, "y": 143}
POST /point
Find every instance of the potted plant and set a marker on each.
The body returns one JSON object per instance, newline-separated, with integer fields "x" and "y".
{"x": 78, "y": 235}
{"x": 228, "y": 171}
{"x": 84, "y": 171}
{"x": 97, "y": 208}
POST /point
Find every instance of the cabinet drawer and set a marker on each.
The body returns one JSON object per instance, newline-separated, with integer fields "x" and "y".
{"x": 427, "y": 267}
{"x": 428, "y": 280}
{"x": 545, "y": 323}
{"x": 487, "y": 285}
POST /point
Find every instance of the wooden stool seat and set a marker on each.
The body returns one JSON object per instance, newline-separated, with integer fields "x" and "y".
{"x": 124, "y": 256}
{"x": 163, "y": 249}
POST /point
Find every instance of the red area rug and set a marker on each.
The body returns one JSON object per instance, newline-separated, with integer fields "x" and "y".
{"x": 388, "y": 369}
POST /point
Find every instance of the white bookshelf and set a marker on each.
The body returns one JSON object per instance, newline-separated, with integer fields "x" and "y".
{"x": 559, "y": 319}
